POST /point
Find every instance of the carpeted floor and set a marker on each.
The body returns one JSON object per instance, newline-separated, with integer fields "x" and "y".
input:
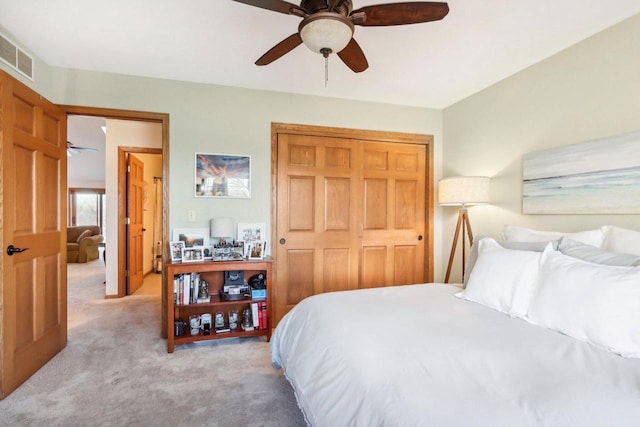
{"x": 115, "y": 371}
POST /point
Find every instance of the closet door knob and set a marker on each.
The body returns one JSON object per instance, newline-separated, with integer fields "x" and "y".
{"x": 420, "y": 237}
{"x": 283, "y": 241}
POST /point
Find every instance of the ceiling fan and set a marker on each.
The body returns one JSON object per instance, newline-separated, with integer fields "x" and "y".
{"x": 328, "y": 25}
{"x": 74, "y": 149}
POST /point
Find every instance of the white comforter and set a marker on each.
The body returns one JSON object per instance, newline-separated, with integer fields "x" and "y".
{"x": 418, "y": 356}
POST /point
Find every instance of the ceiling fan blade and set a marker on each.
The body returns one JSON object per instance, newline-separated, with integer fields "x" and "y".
{"x": 282, "y": 48}
{"x": 353, "y": 57}
{"x": 402, "y": 13}
{"x": 274, "y": 5}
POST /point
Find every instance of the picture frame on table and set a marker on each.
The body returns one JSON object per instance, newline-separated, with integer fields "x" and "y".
{"x": 250, "y": 232}
{"x": 230, "y": 252}
{"x": 176, "y": 250}
{"x": 257, "y": 250}
{"x": 191, "y": 236}
{"x": 222, "y": 176}
{"x": 208, "y": 253}
{"x": 193, "y": 254}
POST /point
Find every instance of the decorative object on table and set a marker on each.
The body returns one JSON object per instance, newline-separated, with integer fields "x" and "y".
{"x": 219, "y": 325}
{"x": 191, "y": 237}
{"x": 247, "y": 322}
{"x": 462, "y": 191}
{"x": 176, "y": 250}
{"x": 205, "y": 323}
{"x": 208, "y": 252}
{"x": 233, "y": 319}
{"x": 258, "y": 285}
{"x": 203, "y": 292}
{"x": 223, "y": 175}
{"x": 257, "y": 250}
{"x": 595, "y": 177}
{"x": 178, "y": 326}
{"x": 235, "y": 288}
{"x": 194, "y": 324}
{"x": 193, "y": 254}
{"x": 251, "y": 232}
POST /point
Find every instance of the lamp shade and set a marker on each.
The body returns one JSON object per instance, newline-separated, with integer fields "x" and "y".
{"x": 222, "y": 228}
{"x": 463, "y": 190}
{"x": 326, "y": 30}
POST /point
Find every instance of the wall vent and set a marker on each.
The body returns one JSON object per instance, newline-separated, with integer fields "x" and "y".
{"x": 18, "y": 59}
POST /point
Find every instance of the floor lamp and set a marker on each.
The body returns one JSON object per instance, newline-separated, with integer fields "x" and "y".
{"x": 462, "y": 191}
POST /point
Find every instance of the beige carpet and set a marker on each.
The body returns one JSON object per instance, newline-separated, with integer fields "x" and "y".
{"x": 115, "y": 371}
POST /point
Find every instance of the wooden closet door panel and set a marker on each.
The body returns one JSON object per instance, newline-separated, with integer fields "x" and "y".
{"x": 316, "y": 218}
{"x": 393, "y": 189}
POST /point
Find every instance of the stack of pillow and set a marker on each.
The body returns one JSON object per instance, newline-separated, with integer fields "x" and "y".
{"x": 585, "y": 285}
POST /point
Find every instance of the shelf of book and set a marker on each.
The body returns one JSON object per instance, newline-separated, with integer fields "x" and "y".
{"x": 182, "y": 303}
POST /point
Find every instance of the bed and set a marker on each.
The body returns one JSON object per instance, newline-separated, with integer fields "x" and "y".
{"x": 433, "y": 355}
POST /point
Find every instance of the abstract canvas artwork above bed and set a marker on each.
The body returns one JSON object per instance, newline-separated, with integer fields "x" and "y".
{"x": 594, "y": 177}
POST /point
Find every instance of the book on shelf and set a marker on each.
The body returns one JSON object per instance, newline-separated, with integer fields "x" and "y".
{"x": 263, "y": 315}
{"x": 186, "y": 288}
{"x": 255, "y": 315}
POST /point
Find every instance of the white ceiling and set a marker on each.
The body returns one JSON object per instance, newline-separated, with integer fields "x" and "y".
{"x": 217, "y": 41}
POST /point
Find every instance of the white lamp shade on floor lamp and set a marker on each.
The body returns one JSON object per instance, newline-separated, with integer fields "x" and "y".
{"x": 463, "y": 190}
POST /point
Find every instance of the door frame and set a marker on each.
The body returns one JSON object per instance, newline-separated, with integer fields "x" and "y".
{"x": 140, "y": 116}
{"x": 370, "y": 135}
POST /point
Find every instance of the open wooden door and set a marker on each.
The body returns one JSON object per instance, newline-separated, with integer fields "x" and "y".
{"x": 135, "y": 230}
{"x": 33, "y": 257}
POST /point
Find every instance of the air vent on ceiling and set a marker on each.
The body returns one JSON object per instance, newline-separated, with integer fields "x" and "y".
{"x": 18, "y": 59}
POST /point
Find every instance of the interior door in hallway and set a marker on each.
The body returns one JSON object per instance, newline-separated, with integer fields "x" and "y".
{"x": 135, "y": 219}
{"x": 33, "y": 181}
{"x": 350, "y": 213}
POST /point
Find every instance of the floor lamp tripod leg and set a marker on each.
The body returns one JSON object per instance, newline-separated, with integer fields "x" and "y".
{"x": 453, "y": 246}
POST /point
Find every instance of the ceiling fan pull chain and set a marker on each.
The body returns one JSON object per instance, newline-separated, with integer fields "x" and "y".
{"x": 326, "y": 70}
{"x": 325, "y": 51}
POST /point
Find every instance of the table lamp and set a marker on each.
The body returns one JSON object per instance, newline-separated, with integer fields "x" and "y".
{"x": 462, "y": 191}
{"x": 222, "y": 229}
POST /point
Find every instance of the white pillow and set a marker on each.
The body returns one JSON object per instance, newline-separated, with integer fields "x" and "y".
{"x": 521, "y": 246}
{"x": 622, "y": 240}
{"x": 596, "y": 255}
{"x": 502, "y": 279}
{"x": 513, "y": 233}
{"x": 595, "y": 303}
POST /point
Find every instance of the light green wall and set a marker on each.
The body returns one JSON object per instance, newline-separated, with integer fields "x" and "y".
{"x": 217, "y": 119}
{"x": 589, "y": 91}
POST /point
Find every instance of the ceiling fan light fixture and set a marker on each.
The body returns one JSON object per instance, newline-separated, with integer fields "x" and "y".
{"x": 326, "y": 30}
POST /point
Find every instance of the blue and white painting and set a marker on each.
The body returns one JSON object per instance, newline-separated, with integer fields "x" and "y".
{"x": 594, "y": 177}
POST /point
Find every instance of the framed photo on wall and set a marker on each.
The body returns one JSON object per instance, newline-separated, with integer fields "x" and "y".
{"x": 223, "y": 175}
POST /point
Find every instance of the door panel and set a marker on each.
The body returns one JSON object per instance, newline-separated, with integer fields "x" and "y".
{"x": 315, "y": 182}
{"x": 135, "y": 230}
{"x": 33, "y": 184}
